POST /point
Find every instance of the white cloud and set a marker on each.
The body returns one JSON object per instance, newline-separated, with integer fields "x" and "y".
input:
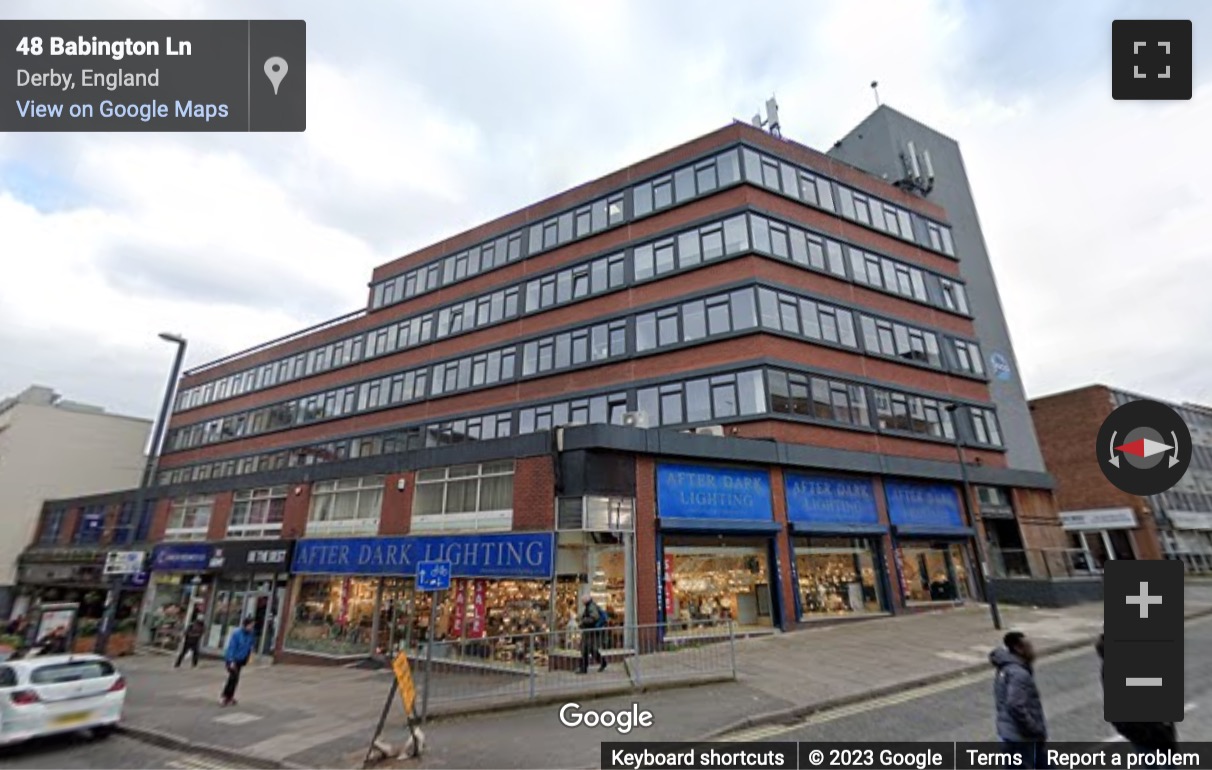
{"x": 425, "y": 119}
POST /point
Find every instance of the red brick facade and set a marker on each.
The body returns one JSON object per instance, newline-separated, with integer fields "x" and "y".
{"x": 1067, "y": 424}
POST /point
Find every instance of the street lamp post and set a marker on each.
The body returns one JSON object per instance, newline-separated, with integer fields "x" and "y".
{"x": 994, "y": 612}
{"x": 145, "y": 481}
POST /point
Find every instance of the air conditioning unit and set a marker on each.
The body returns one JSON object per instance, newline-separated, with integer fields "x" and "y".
{"x": 638, "y": 419}
{"x": 709, "y": 430}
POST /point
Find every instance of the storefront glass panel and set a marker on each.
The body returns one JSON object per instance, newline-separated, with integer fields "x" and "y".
{"x": 718, "y": 583}
{"x": 838, "y": 576}
{"x": 333, "y": 616}
{"x": 934, "y": 572}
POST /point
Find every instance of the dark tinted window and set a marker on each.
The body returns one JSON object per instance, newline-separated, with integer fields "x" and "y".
{"x": 8, "y": 677}
{"x": 71, "y": 672}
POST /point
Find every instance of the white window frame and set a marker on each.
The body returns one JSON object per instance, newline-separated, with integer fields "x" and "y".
{"x": 177, "y": 510}
{"x": 253, "y": 497}
{"x": 357, "y": 487}
{"x": 469, "y": 521}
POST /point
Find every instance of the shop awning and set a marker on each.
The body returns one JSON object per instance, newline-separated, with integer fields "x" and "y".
{"x": 720, "y": 525}
{"x": 825, "y": 528}
{"x": 906, "y": 530}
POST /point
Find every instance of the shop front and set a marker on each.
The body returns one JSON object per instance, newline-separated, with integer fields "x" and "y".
{"x": 250, "y": 582}
{"x": 932, "y": 542}
{"x": 1101, "y": 534}
{"x": 354, "y": 597}
{"x": 179, "y": 589}
{"x": 717, "y": 549}
{"x": 836, "y": 538}
{"x": 75, "y": 576}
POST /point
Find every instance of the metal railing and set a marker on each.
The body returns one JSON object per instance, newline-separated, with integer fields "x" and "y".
{"x": 523, "y": 667}
{"x": 1041, "y": 563}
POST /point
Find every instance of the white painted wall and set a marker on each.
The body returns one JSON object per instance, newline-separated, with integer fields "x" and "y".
{"x": 52, "y": 449}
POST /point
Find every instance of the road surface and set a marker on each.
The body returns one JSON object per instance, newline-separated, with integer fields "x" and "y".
{"x": 962, "y": 709}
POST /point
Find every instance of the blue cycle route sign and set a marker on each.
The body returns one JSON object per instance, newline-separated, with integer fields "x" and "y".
{"x": 433, "y": 575}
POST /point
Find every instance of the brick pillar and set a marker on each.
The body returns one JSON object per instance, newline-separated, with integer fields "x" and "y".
{"x": 111, "y": 522}
{"x": 896, "y": 601}
{"x": 783, "y": 545}
{"x": 70, "y": 521}
{"x": 159, "y": 520}
{"x": 220, "y": 515}
{"x": 294, "y": 517}
{"x": 396, "y": 515}
{"x": 533, "y": 494}
{"x": 1145, "y": 537}
{"x": 647, "y": 591}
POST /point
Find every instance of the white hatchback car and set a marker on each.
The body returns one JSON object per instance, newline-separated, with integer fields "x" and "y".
{"x": 56, "y": 694}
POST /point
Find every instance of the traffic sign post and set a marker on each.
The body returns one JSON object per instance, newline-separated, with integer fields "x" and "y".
{"x": 432, "y": 576}
{"x": 402, "y": 683}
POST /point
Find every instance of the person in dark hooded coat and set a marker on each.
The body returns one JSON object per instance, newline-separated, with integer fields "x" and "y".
{"x": 1020, "y": 711}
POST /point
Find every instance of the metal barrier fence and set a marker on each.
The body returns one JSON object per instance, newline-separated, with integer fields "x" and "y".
{"x": 1047, "y": 563}
{"x": 521, "y": 667}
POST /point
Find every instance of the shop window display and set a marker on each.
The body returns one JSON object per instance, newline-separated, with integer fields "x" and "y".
{"x": 333, "y": 616}
{"x": 605, "y": 580}
{"x": 934, "y": 572}
{"x": 837, "y": 576}
{"x": 718, "y": 585}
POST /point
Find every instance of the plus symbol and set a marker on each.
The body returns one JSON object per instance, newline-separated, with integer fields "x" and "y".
{"x": 1144, "y": 600}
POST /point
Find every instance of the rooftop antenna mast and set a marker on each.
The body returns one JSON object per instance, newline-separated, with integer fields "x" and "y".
{"x": 771, "y": 122}
{"x": 875, "y": 89}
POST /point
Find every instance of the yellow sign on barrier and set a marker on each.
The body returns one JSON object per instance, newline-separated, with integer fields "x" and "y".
{"x": 408, "y": 690}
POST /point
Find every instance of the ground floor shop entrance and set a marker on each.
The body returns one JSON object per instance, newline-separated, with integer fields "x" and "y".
{"x": 357, "y": 615}
{"x": 934, "y": 571}
{"x": 839, "y": 576}
{"x": 717, "y": 579}
{"x": 1100, "y": 535}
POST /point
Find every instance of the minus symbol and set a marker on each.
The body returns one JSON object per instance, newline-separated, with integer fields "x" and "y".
{"x": 1143, "y": 681}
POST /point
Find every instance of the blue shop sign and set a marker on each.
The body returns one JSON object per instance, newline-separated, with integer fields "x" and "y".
{"x": 831, "y": 500}
{"x": 701, "y": 492}
{"x": 186, "y": 557}
{"x": 506, "y": 555}
{"x": 922, "y": 506}
{"x": 91, "y": 527}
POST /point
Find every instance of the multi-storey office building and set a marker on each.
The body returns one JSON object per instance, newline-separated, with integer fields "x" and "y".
{"x": 1105, "y": 522}
{"x": 740, "y": 350}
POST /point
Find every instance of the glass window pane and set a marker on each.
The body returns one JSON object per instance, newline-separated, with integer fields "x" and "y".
{"x": 683, "y": 184}
{"x": 645, "y": 332}
{"x": 744, "y": 309}
{"x": 761, "y": 234}
{"x": 736, "y": 236}
{"x": 698, "y": 401}
{"x": 688, "y": 249}
{"x": 641, "y": 199}
{"x": 751, "y": 392}
{"x": 729, "y": 170}
{"x": 694, "y": 320}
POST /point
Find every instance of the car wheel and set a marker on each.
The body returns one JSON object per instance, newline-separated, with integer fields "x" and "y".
{"x": 103, "y": 732}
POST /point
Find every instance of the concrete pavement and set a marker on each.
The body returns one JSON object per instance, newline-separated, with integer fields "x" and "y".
{"x": 311, "y": 717}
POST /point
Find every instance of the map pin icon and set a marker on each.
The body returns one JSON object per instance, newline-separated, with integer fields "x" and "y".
{"x": 275, "y": 70}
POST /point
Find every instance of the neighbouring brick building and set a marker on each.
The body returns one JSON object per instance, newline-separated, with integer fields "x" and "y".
{"x": 741, "y": 351}
{"x": 1100, "y": 519}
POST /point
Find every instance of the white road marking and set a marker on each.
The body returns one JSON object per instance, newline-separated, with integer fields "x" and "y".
{"x": 960, "y": 657}
{"x": 195, "y": 762}
{"x": 237, "y": 718}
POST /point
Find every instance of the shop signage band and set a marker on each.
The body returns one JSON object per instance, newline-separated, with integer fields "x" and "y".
{"x": 506, "y": 555}
{"x": 831, "y": 500}
{"x": 185, "y": 557}
{"x": 702, "y": 492}
{"x": 934, "y": 506}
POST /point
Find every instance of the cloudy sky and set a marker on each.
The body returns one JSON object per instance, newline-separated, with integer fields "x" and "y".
{"x": 428, "y": 118}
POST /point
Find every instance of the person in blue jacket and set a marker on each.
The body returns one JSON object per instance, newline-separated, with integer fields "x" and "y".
{"x": 239, "y": 650}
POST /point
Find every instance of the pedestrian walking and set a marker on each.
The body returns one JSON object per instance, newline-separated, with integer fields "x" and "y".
{"x": 190, "y": 641}
{"x": 1145, "y": 737}
{"x": 1020, "y": 712}
{"x": 239, "y": 650}
{"x": 593, "y": 620}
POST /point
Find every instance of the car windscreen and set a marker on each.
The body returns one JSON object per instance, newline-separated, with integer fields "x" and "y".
{"x": 76, "y": 671}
